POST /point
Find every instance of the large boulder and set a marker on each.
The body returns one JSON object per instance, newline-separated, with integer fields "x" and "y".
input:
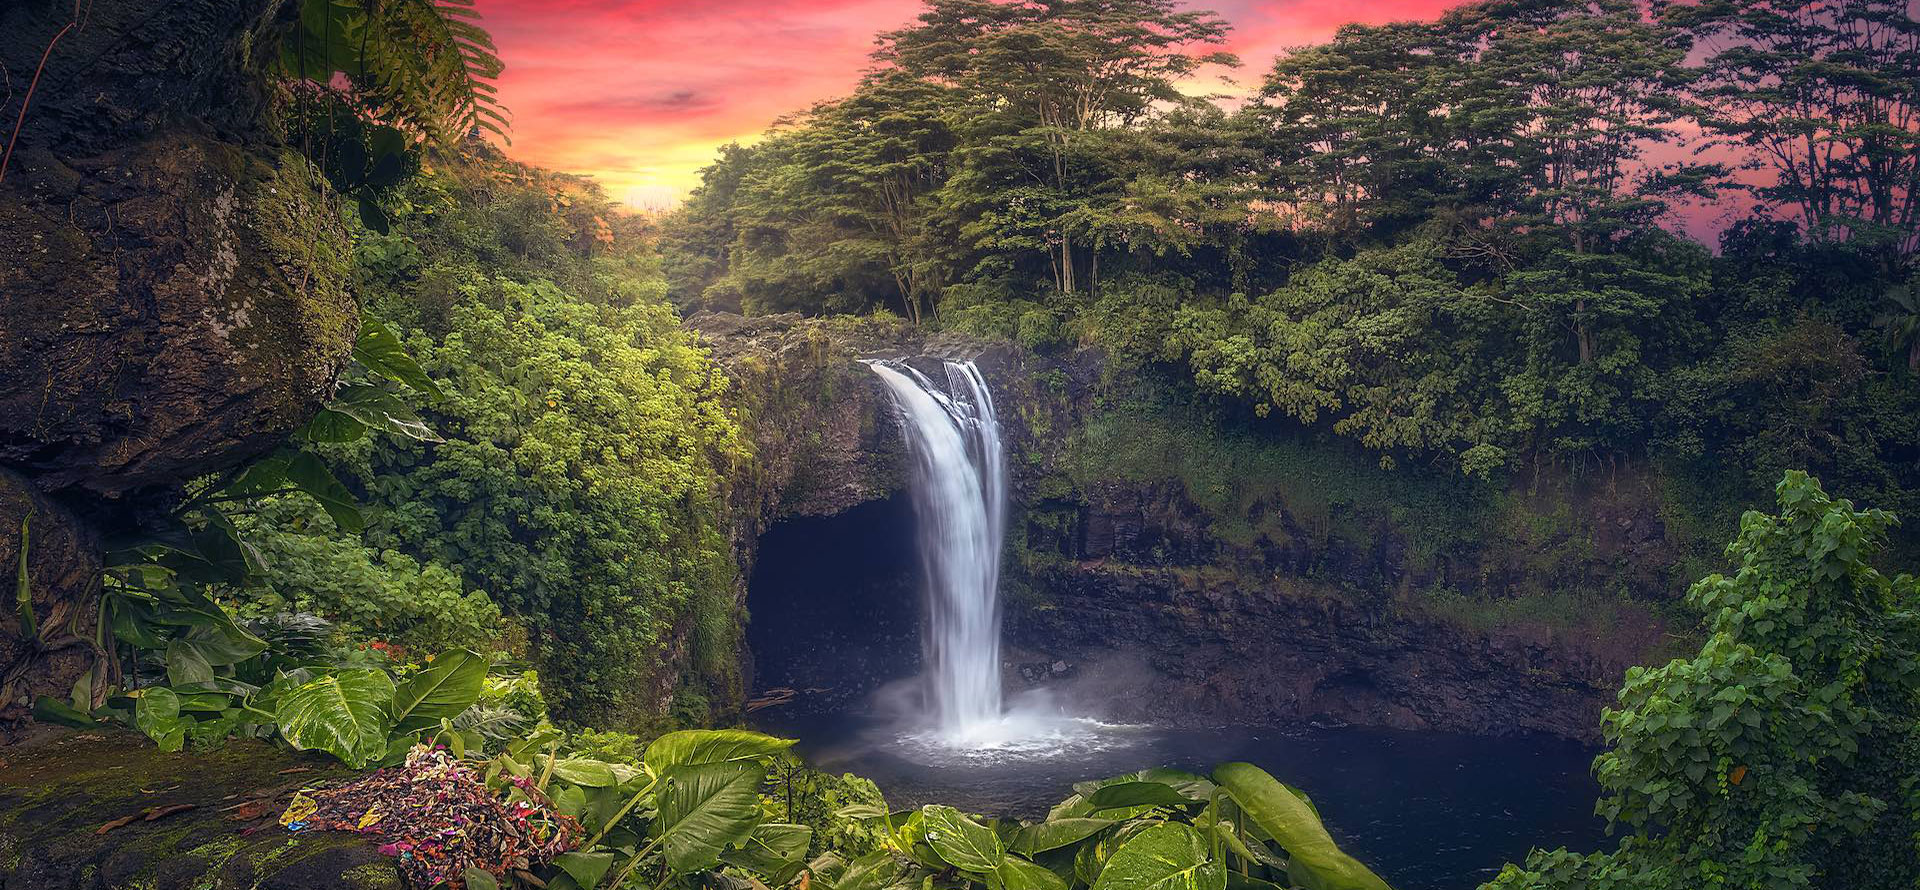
{"x": 174, "y": 279}
{"x": 172, "y": 307}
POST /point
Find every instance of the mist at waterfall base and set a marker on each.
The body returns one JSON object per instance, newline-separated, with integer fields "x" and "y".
{"x": 959, "y": 493}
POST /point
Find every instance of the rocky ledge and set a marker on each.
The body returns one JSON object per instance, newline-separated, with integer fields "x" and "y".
{"x": 105, "y": 810}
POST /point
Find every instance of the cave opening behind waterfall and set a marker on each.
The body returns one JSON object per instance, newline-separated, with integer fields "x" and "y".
{"x": 834, "y": 606}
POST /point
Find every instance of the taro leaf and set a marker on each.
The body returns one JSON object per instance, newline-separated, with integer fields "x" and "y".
{"x": 774, "y": 851}
{"x": 333, "y": 426}
{"x": 963, "y": 843}
{"x": 704, "y": 809}
{"x": 1137, "y": 794}
{"x": 586, "y": 772}
{"x": 185, "y": 664}
{"x": 380, "y": 351}
{"x": 344, "y": 714}
{"x": 1016, "y": 873}
{"x": 381, "y": 410}
{"x": 1313, "y": 858}
{"x": 53, "y": 710}
{"x": 586, "y": 869}
{"x": 157, "y": 713}
{"x": 308, "y": 474}
{"x": 693, "y": 746}
{"x": 373, "y": 216}
{"x": 874, "y": 871}
{"x": 264, "y": 476}
{"x": 222, "y": 644}
{"x": 1056, "y": 833}
{"x": 449, "y": 685}
{"x": 1167, "y": 856}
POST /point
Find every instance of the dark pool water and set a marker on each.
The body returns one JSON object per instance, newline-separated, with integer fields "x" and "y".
{"x": 1427, "y": 811}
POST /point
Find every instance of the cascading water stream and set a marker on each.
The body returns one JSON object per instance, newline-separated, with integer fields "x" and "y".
{"x": 959, "y": 490}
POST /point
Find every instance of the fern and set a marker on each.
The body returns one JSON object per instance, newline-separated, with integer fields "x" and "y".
{"x": 424, "y": 65}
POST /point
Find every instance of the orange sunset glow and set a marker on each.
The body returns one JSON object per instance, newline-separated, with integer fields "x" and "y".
{"x": 639, "y": 93}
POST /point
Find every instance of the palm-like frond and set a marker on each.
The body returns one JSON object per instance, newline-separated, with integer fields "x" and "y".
{"x": 425, "y": 65}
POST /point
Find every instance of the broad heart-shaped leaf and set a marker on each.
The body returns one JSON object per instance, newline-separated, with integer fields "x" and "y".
{"x": 1056, "y": 833}
{"x": 157, "y": 713}
{"x": 307, "y": 473}
{"x": 586, "y": 869}
{"x": 874, "y": 871}
{"x": 1168, "y": 856}
{"x": 704, "y": 809}
{"x": 694, "y": 746}
{"x": 332, "y": 426}
{"x": 381, "y": 410}
{"x": 1137, "y": 794}
{"x": 963, "y": 843}
{"x": 379, "y": 351}
{"x": 1313, "y": 859}
{"x": 186, "y": 665}
{"x": 1016, "y": 873}
{"x": 344, "y": 714}
{"x": 449, "y": 685}
{"x": 774, "y": 851}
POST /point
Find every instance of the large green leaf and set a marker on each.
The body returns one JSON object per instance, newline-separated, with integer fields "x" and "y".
{"x": 380, "y": 351}
{"x": 1314, "y": 860}
{"x": 53, "y": 710}
{"x": 1167, "y": 856}
{"x": 307, "y": 473}
{"x": 586, "y": 869}
{"x": 874, "y": 871}
{"x": 693, "y": 746}
{"x": 186, "y": 665}
{"x": 381, "y": 410}
{"x": 774, "y": 851}
{"x": 1016, "y": 873}
{"x": 345, "y": 714}
{"x": 963, "y": 843}
{"x": 704, "y": 809}
{"x": 157, "y": 713}
{"x": 1056, "y": 833}
{"x": 449, "y": 685}
{"x": 1137, "y": 794}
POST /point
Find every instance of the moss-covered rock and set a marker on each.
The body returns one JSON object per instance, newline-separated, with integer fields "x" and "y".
{"x": 58, "y": 790}
{"x": 173, "y": 307}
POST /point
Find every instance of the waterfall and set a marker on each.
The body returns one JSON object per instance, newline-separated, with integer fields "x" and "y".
{"x": 959, "y": 490}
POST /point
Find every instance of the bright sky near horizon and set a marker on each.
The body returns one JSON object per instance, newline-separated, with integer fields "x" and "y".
{"x": 640, "y": 93}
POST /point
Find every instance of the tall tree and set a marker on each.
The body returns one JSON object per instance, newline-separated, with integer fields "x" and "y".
{"x": 1050, "y": 72}
{"x": 1826, "y": 97}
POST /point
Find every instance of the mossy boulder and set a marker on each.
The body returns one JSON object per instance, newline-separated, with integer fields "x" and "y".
{"x": 58, "y": 790}
{"x": 173, "y": 307}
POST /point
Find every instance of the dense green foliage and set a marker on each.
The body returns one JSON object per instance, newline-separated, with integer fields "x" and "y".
{"x": 1784, "y": 753}
{"x": 1450, "y": 242}
{"x": 575, "y": 474}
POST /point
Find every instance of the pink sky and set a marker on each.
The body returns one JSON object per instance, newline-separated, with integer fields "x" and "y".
{"x": 639, "y": 93}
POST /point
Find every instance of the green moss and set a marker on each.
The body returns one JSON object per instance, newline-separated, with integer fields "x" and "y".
{"x": 372, "y": 876}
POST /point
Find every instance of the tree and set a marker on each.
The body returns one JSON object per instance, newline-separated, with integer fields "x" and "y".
{"x": 1049, "y": 74}
{"x": 1783, "y": 755}
{"x": 1825, "y": 96}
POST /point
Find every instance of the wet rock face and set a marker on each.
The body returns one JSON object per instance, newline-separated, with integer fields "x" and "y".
{"x": 174, "y": 307}
{"x": 63, "y": 564}
{"x": 1173, "y": 645}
